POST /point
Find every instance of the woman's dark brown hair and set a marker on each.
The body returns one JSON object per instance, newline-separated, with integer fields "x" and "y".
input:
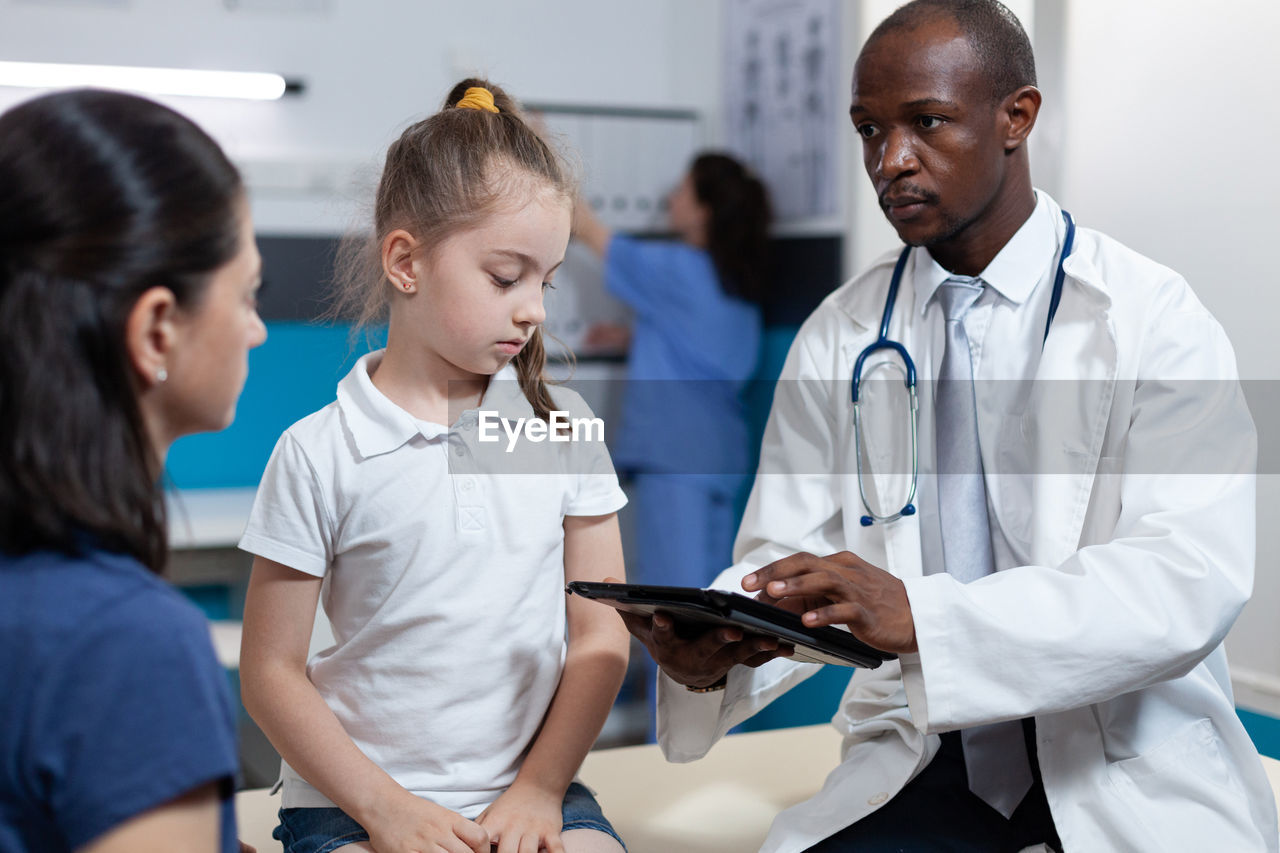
{"x": 737, "y": 224}
{"x": 102, "y": 196}
{"x": 446, "y": 173}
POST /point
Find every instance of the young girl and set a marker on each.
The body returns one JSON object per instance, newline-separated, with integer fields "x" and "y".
{"x": 463, "y": 691}
{"x": 128, "y": 273}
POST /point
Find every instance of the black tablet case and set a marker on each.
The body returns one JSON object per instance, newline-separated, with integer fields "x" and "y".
{"x": 718, "y": 607}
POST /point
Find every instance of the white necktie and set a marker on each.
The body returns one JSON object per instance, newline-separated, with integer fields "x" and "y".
{"x": 995, "y": 755}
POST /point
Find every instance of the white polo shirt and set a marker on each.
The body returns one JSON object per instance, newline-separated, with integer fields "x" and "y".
{"x": 443, "y": 567}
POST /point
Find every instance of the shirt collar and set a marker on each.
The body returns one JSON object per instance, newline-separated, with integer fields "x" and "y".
{"x": 1014, "y": 272}
{"x": 503, "y": 395}
{"x": 378, "y": 425}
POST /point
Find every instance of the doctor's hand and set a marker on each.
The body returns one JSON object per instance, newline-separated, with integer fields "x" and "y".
{"x": 702, "y": 660}
{"x": 840, "y": 589}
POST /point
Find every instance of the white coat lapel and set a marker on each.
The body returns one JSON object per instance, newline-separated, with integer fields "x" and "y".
{"x": 885, "y": 459}
{"x": 1067, "y": 415}
{"x": 902, "y": 537}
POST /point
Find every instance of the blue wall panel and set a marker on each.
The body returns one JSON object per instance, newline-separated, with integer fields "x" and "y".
{"x": 1264, "y": 730}
{"x": 293, "y": 374}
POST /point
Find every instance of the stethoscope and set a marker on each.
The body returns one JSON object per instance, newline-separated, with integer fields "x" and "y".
{"x": 908, "y": 370}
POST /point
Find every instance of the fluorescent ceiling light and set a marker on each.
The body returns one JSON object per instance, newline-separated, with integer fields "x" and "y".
{"x": 153, "y": 81}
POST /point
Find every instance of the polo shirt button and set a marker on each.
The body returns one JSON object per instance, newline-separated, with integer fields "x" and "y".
{"x": 467, "y": 485}
{"x": 878, "y": 799}
{"x": 457, "y": 451}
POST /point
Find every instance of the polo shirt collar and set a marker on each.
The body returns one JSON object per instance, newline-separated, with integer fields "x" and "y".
{"x": 377, "y": 425}
{"x": 503, "y": 394}
{"x": 1014, "y": 272}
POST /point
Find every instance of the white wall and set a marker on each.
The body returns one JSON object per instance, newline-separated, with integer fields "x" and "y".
{"x": 371, "y": 67}
{"x": 1171, "y": 139}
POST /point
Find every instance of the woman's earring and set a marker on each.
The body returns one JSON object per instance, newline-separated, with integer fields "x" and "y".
{"x": 161, "y": 375}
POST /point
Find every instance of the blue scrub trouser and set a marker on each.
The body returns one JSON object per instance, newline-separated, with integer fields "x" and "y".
{"x": 684, "y": 529}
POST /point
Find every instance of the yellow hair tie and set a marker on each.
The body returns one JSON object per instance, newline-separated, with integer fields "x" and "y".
{"x": 477, "y": 98}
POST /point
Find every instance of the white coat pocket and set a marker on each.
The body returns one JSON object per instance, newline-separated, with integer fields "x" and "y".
{"x": 1187, "y": 767}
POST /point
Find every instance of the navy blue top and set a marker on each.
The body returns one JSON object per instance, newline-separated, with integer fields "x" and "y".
{"x": 693, "y": 349}
{"x": 112, "y": 701}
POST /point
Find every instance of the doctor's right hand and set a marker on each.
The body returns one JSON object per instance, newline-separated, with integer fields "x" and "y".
{"x": 406, "y": 823}
{"x": 840, "y": 589}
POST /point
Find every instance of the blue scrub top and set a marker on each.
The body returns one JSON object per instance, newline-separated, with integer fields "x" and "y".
{"x": 113, "y": 701}
{"x": 693, "y": 350}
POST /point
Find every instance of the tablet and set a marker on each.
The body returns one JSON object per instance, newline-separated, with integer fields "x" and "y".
{"x": 690, "y": 606}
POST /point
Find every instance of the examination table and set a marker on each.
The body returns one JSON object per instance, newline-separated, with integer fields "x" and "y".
{"x": 720, "y": 804}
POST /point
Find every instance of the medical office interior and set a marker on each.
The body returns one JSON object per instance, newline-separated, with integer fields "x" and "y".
{"x": 1156, "y": 129}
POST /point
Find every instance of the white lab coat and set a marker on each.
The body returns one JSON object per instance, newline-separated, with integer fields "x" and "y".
{"x": 1137, "y": 510}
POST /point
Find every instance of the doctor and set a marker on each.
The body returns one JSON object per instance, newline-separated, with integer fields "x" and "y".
{"x": 1085, "y": 533}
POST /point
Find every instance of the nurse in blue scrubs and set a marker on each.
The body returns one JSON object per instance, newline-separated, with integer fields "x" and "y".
{"x": 693, "y": 347}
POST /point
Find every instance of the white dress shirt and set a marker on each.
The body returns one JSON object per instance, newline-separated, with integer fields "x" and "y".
{"x": 1008, "y": 318}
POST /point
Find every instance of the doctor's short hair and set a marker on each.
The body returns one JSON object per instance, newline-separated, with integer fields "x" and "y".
{"x": 995, "y": 34}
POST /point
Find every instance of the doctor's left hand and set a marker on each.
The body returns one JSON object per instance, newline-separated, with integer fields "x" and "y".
{"x": 840, "y": 589}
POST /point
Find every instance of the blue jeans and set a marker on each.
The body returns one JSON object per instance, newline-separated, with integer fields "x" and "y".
{"x": 325, "y": 830}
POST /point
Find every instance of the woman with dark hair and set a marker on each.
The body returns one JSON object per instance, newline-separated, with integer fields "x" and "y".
{"x": 128, "y": 275}
{"x": 693, "y": 347}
